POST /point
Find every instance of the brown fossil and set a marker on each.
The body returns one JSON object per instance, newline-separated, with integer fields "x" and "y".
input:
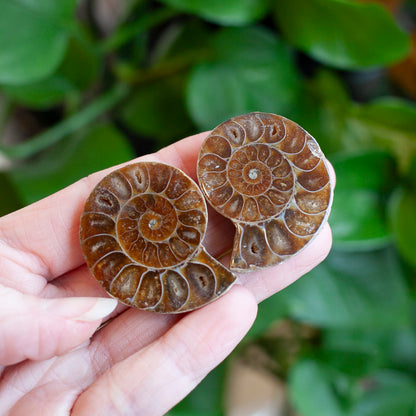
{"x": 269, "y": 176}
{"x": 141, "y": 233}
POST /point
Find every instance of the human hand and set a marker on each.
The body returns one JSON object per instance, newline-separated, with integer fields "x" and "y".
{"x": 55, "y": 359}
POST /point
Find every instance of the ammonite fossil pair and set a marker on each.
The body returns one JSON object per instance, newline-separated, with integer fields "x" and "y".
{"x": 142, "y": 227}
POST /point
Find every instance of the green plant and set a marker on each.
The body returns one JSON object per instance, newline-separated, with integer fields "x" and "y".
{"x": 175, "y": 67}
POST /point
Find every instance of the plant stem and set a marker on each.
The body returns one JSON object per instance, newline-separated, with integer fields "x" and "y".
{"x": 163, "y": 69}
{"x": 126, "y": 33}
{"x": 68, "y": 126}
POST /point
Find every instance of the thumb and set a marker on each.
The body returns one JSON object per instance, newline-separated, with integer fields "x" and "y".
{"x": 37, "y": 329}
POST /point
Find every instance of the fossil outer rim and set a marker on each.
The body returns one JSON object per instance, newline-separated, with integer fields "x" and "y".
{"x": 192, "y": 282}
{"x": 235, "y": 143}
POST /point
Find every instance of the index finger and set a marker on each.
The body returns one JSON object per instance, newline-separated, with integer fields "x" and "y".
{"x": 44, "y": 235}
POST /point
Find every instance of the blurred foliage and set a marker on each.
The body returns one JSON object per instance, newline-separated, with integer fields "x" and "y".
{"x": 86, "y": 96}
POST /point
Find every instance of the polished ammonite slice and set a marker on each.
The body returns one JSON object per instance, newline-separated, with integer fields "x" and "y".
{"x": 270, "y": 177}
{"x": 141, "y": 233}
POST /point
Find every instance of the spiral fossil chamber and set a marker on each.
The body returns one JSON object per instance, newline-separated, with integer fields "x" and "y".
{"x": 267, "y": 175}
{"x": 141, "y": 235}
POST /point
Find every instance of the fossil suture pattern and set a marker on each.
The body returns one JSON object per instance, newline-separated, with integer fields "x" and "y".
{"x": 269, "y": 176}
{"x": 141, "y": 233}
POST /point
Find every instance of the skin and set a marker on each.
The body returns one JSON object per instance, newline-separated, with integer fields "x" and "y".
{"x": 54, "y": 359}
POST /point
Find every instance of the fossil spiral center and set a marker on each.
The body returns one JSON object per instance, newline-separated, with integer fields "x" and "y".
{"x": 253, "y": 173}
{"x": 145, "y": 221}
{"x": 156, "y": 222}
{"x": 256, "y": 173}
{"x": 247, "y": 174}
{"x": 159, "y": 220}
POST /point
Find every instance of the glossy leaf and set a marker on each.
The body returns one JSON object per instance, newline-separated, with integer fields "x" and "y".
{"x": 351, "y": 362}
{"x": 157, "y": 110}
{"x": 252, "y": 71}
{"x": 358, "y": 217}
{"x": 179, "y": 42}
{"x": 41, "y": 94}
{"x": 81, "y": 63}
{"x": 358, "y": 221}
{"x": 322, "y": 110}
{"x": 403, "y": 223}
{"x": 401, "y": 347}
{"x": 341, "y": 33}
{"x": 230, "y": 12}
{"x": 33, "y": 38}
{"x": 206, "y": 399}
{"x": 269, "y": 312}
{"x": 352, "y": 290}
{"x": 78, "y": 70}
{"x": 387, "y": 393}
{"x": 373, "y": 170}
{"x": 390, "y": 124}
{"x": 385, "y": 348}
{"x": 311, "y": 390}
{"x": 103, "y": 146}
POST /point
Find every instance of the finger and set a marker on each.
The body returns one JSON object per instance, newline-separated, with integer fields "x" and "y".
{"x": 44, "y": 235}
{"x": 37, "y": 329}
{"x": 66, "y": 377}
{"x": 130, "y": 332}
{"x": 154, "y": 379}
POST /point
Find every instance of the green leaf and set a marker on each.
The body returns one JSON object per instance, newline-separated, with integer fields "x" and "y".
{"x": 385, "y": 348}
{"x": 181, "y": 41}
{"x": 311, "y": 390}
{"x": 322, "y": 110}
{"x": 81, "y": 63}
{"x": 372, "y": 170}
{"x": 78, "y": 70}
{"x": 352, "y": 290}
{"x": 206, "y": 398}
{"x": 358, "y": 217}
{"x": 358, "y": 221}
{"x": 390, "y": 124}
{"x": 402, "y": 347}
{"x": 387, "y": 393}
{"x": 33, "y": 38}
{"x": 252, "y": 71}
{"x": 41, "y": 94}
{"x": 402, "y": 215}
{"x": 270, "y": 311}
{"x": 230, "y": 12}
{"x": 71, "y": 160}
{"x": 157, "y": 109}
{"x": 342, "y": 33}
{"x": 9, "y": 199}
{"x": 349, "y": 362}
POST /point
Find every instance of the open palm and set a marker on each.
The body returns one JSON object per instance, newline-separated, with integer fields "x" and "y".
{"x": 56, "y": 357}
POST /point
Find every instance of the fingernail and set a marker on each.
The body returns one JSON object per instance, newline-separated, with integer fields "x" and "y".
{"x": 102, "y": 308}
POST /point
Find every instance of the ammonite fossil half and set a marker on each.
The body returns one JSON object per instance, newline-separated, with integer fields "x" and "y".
{"x": 141, "y": 233}
{"x": 269, "y": 176}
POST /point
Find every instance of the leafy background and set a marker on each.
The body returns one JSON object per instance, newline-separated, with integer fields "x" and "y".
{"x": 81, "y": 90}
